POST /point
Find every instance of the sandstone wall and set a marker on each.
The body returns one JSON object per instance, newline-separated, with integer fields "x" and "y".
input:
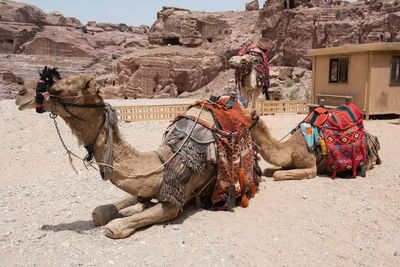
{"x": 165, "y": 72}
{"x": 289, "y": 33}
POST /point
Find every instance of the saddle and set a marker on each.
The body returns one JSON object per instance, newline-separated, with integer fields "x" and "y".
{"x": 220, "y": 129}
{"x": 342, "y": 131}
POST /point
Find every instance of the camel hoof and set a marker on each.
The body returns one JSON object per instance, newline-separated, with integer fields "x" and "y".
{"x": 112, "y": 230}
{"x": 269, "y": 172}
{"x": 104, "y": 214}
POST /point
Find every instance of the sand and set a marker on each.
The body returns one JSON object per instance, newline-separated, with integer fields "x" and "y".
{"x": 45, "y": 208}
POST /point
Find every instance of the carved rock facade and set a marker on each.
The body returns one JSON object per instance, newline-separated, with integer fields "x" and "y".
{"x": 165, "y": 72}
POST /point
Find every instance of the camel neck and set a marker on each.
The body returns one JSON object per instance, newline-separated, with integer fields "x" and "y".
{"x": 133, "y": 169}
{"x": 271, "y": 150}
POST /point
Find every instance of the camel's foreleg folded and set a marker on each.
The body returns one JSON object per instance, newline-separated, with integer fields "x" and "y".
{"x": 105, "y": 213}
{"x": 295, "y": 174}
{"x": 123, "y": 227}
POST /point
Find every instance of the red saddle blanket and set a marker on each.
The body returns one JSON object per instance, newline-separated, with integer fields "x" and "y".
{"x": 237, "y": 178}
{"x": 343, "y": 132}
{"x": 340, "y": 118}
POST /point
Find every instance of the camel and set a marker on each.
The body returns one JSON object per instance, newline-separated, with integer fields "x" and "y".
{"x": 79, "y": 101}
{"x": 250, "y": 90}
{"x": 292, "y": 155}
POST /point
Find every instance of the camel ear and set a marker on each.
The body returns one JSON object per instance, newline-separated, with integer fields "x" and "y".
{"x": 86, "y": 83}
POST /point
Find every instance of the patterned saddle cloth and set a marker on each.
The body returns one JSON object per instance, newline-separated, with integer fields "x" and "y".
{"x": 221, "y": 133}
{"x": 340, "y": 133}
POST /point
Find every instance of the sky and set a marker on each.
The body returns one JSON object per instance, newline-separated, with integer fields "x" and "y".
{"x": 131, "y": 12}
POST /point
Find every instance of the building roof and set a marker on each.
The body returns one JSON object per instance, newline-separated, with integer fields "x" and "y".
{"x": 357, "y": 48}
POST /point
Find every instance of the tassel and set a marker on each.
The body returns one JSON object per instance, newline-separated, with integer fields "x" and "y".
{"x": 230, "y": 201}
{"x": 363, "y": 171}
{"x": 245, "y": 201}
{"x": 354, "y": 163}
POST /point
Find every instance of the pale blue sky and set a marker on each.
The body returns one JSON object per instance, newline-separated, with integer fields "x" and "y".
{"x": 131, "y": 12}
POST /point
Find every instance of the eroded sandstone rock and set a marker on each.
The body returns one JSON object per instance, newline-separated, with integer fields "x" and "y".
{"x": 253, "y": 5}
{"x": 176, "y": 26}
{"x": 165, "y": 72}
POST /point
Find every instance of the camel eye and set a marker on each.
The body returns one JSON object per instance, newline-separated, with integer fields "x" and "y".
{"x": 22, "y": 91}
{"x": 55, "y": 91}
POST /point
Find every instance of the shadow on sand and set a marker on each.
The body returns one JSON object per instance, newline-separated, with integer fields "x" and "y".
{"x": 77, "y": 226}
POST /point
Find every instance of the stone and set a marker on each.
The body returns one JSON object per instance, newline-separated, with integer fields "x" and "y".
{"x": 165, "y": 72}
{"x": 177, "y": 26}
{"x": 253, "y": 5}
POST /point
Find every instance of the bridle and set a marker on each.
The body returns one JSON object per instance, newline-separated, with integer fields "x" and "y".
{"x": 88, "y": 159}
{"x": 243, "y": 71}
{"x": 65, "y": 105}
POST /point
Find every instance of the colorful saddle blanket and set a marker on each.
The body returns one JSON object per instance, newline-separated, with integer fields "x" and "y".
{"x": 343, "y": 135}
{"x": 261, "y": 65}
{"x": 238, "y": 174}
{"x": 339, "y": 118}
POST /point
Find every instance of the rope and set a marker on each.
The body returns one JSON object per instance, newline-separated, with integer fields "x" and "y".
{"x": 69, "y": 152}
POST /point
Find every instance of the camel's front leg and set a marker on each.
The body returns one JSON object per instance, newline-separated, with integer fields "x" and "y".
{"x": 123, "y": 227}
{"x": 295, "y": 174}
{"x": 105, "y": 213}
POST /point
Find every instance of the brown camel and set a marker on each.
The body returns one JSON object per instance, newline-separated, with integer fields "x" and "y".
{"x": 293, "y": 155}
{"x": 250, "y": 90}
{"x": 78, "y": 100}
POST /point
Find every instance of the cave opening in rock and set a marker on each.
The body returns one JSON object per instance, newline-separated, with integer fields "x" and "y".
{"x": 171, "y": 41}
{"x": 210, "y": 40}
{"x": 10, "y": 41}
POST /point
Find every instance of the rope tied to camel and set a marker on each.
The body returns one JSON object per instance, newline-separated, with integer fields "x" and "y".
{"x": 111, "y": 122}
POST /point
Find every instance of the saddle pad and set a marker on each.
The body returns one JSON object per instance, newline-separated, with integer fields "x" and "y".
{"x": 347, "y": 150}
{"x": 310, "y": 134}
{"x": 200, "y": 134}
{"x": 205, "y": 117}
{"x": 344, "y": 116}
{"x": 340, "y": 118}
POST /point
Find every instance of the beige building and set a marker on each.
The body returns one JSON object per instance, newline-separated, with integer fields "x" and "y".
{"x": 366, "y": 74}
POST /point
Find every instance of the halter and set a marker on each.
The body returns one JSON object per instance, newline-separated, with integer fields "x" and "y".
{"x": 65, "y": 105}
{"x": 243, "y": 71}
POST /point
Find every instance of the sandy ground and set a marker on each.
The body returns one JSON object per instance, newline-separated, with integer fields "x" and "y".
{"x": 45, "y": 209}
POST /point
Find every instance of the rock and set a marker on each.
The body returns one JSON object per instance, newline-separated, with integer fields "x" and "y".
{"x": 177, "y": 26}
{"x": 11, "y": 11}
{"x": 253, "y": 5}
{"x": 9, "y": 77}
{"x": 57, "y": 19}
{"x": 289, "y": 33}
{"x": 59, "y": 41}
{"x": 298, "y": 72}
{"x": 285, "y": 72}
{"x": 396, "y": 253}
{"x": 165, "y": 72}
{"x": 13, "y": 35}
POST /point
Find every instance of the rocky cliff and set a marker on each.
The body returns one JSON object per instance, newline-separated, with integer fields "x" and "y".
{"x": 289, "y": 32}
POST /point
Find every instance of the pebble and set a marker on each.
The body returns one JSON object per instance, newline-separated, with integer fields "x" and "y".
{"x": 396, "y": 253}
{"x": 175, "y": 227}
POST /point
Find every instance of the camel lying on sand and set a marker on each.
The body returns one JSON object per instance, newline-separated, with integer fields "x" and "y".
{"x": 292, "y": 155}
{"x": 78, "y": 100}
{"x": 250, "y": 90}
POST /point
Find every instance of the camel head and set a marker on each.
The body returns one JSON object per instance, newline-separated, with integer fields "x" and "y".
{"x": 26, "y": 96}
{"x": 240, "y": 61}
{"x": 73, "y": 92}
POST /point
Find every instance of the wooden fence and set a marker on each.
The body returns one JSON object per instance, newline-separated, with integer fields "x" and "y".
{"x": 169, "y": 112}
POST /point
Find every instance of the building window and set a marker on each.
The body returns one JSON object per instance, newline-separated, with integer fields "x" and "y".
{"x": 339, "y": 70}
{"x": 395, "y": 74}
